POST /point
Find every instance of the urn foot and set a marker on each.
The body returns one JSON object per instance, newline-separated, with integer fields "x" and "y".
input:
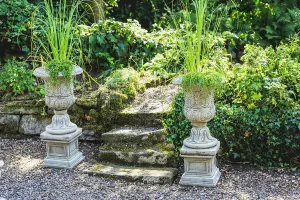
{"x": 61, "y": 124}
{"x": 200, "y": 138}
{"x": 62, "y": 150}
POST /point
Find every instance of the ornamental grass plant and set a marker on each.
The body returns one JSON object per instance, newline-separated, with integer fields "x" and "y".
{"x": 197, "y": 44}
{"x": 57, "y": 46}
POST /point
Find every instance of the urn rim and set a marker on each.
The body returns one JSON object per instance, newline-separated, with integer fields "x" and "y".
{"x": 41, "y": 72}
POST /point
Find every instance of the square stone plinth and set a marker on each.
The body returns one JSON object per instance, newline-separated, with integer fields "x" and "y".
{"x": 200, "y": 166}
{"x": 62, "y": 150}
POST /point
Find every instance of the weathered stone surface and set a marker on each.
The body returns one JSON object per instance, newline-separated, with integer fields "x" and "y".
{"x": 138, "y": 157}
{"x": 22, "y": 107}
{"x": 135, "y": 135}
{"x": 62, "y": 150}
{"x": 139, "y": 119}
{"x": 89, "y": 135}
{"x": 145, "y": 175}
{"x": 33, "y": 124}
{"x": 200, "y": 166}
{"x": 148, "y": 108}
{"x": 9, "y": 124}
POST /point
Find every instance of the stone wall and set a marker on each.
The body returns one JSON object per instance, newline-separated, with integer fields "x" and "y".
{"x": 26, "y": 116}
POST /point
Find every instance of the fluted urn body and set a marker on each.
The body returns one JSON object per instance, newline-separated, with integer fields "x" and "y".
{"x": 60, "y": 98}
{"x": 199, "y": 108}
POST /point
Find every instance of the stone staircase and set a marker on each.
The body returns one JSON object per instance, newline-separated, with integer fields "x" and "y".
{"x": 136, "y": 149}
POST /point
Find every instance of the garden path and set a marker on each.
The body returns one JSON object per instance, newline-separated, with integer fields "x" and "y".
{"x": 23, "y": 178}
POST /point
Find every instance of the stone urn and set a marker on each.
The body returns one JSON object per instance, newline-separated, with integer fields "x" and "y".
{"x": 199, "y": 108}
{"x": 61, "y": 136}
{"x": 200, "y": 148}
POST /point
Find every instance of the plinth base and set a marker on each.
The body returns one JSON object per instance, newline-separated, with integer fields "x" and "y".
{"x": 200, "y": 166}
{"x": 62, "y": 150}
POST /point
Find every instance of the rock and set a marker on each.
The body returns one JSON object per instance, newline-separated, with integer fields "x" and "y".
{"x": 145, "y": 175}
{"x": 89, "y": 135}
{"x": 9, "y": 124}
{"x": 88, "y": 102}
{"x": 33, "y": 124}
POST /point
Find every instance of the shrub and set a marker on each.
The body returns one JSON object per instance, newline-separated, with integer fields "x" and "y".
{"x": 15, "y": 22}
{"x": 258, "y": 112}
{"x": 147, "y": 12}
{"x": 125, "y": 81}
{"x": 272, "y": 21}
{"x": 115, "y": 44}
{"x": 15, "y": 77}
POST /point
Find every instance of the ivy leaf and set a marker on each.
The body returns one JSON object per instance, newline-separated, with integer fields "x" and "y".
{"x": 256, "y": 96}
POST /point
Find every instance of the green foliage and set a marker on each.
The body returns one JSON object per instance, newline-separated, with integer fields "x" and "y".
{"x": 15, "y": 77}
{"x": 15, "y": 22}
{"x": 268, "y": 21}
{"x": 177, "y": 124}
{"x": 146, "y": 12}
{"x": 125, "y": 81}
{"x": 269, "y": 77}
{"x": 56, "y": 37}
{"x": 267, "y": 136}
{"x": 114, "y": 44}
{"x": 258, "y": 113}
{"x": 57, "y": 67}
{"x": 209, "y": 78}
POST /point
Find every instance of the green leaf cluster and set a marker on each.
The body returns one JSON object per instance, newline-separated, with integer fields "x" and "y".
{"x": 114, "y": 44}
{"x": 271, "y": 21}
{"x": 15, "y": 22}
{"x": 15, "y": 77}
{"x": 125, "y": 81}
{"x": 60, "y": 67}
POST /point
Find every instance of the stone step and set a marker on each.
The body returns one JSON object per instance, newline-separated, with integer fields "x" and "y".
{"x": 148, "y": 108}
{"x": 157, "y": 155}
{"x": 139, "y": 119}
{"x": 134, "y": 135}
{"x": 145, "y": 175}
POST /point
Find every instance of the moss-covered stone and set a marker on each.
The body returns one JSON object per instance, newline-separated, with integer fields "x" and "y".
{"x": 138, "y": 155}
{"x": 9, "y": 124}
{"x": 127, "y": 135}
{"x": 23, "y": 107}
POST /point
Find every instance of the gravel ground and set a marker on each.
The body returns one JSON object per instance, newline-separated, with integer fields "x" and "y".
{"x": 23, "y": 178}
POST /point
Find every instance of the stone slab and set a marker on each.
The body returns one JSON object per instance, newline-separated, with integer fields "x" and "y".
{"x": 145, "y": 175}
{"x": 139, "y": 157}
{"x": 135, "y": 135}
{"x": 33, "y": 124}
